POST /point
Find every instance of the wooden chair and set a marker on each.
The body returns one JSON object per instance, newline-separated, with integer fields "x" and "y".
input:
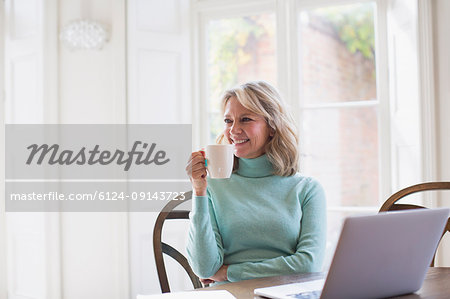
{"x": 391, "y": 205}
{"x": 160, "y": 247}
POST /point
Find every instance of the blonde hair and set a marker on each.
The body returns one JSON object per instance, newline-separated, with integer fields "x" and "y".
{"x": 263, "y": 99}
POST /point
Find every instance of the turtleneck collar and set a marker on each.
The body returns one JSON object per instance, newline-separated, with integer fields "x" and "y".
{"x": 255, "y": 168}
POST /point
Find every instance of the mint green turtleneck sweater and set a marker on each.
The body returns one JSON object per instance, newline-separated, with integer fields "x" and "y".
{"x": 258, "y": 223}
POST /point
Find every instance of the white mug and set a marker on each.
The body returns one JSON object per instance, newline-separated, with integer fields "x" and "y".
{"x": 219, "y": 160}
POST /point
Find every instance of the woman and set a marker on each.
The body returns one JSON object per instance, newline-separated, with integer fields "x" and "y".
{"x": 266, "y": 219}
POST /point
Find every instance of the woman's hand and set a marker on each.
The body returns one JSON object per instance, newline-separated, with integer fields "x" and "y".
{"x": 196, "y": 171}
{"x": 206, "y": 281}
{"x": 221, "y": 275}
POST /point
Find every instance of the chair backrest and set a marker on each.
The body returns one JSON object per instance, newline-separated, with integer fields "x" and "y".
{"x": 160, "y": 247}
{"x": 390, "y": 203}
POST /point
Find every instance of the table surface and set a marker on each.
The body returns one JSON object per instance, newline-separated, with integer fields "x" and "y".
{"x": 436, "y": 284}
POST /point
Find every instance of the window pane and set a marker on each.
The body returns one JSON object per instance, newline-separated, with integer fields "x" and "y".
{"x": 340, "y": 149}
{"x": 337, "y": 54}
{"x": 239, "y": 50}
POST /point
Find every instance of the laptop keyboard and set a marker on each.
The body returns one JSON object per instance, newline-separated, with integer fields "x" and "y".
{"x": 306, "y": 295}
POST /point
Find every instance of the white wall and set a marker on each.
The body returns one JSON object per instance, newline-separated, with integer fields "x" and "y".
{"x": 3, "y": 275}
{"x": 92, "y": 90}
{"x": 92, "y": 84}
{"x": 67, "y": 255}
{"x": 109, "y": 255}
{"x": 32, "y": 241}
{"x": 159, "y": 91}
{"x": 442, "y": 67}
{"x": 88, "y": 253}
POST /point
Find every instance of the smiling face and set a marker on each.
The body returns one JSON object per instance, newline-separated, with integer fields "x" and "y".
{"x": 248, "y": 131}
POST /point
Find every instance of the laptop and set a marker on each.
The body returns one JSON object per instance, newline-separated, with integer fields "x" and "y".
{"x": 377, "y": 256}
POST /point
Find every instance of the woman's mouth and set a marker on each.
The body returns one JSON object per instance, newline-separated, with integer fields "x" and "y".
{"x": 241, "y": 141}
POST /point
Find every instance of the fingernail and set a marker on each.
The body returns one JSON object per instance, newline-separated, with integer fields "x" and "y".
{"x": 206, "y": 163}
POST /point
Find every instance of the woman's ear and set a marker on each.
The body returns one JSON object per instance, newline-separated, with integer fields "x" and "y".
{"x": 272, "y": 132}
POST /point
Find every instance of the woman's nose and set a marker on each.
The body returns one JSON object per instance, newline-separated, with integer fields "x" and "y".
{"x": 235, "y": 128}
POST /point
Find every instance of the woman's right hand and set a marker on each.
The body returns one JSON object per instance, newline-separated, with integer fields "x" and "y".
{"x": 196, "y": 171}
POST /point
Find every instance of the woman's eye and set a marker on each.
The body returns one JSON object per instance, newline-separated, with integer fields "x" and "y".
{"x": 246, "y": 119}
{"x": 227, "y": 121}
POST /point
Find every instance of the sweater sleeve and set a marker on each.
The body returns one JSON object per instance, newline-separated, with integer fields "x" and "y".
{"x": 310, "y": 248}
{"x": 204, "y": 247}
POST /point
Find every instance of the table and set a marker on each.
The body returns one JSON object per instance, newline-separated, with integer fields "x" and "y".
{"x": 436, "y": 284}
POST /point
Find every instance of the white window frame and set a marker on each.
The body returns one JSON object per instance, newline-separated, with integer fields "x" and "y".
{"x": 286, "y": 12}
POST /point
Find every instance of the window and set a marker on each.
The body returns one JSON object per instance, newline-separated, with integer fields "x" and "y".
{"x": 330, "y": 61}
{"x": 240, "y": 49}
{"x": 339, "y": 107}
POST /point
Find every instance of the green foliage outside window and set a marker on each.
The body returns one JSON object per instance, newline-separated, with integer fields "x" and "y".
{"x": 232, "y": 44}
{"x": 354, "y": 25}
